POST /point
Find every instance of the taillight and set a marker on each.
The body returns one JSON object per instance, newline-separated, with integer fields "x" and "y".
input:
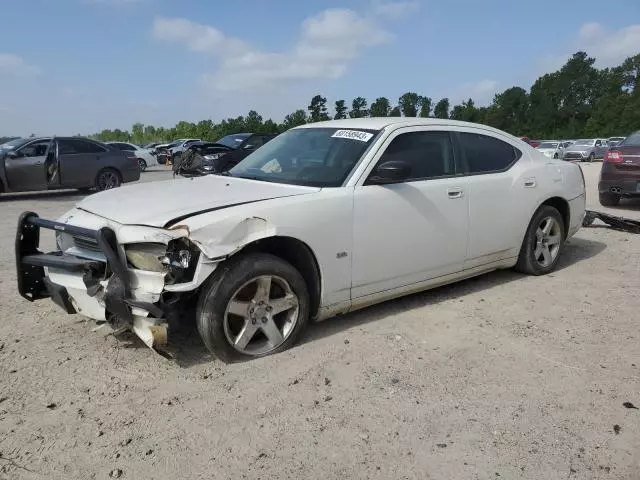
{"x": 613, "y": 156}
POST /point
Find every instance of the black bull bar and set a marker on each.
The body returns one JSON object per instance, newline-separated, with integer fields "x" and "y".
{"x": 33, "y": 284}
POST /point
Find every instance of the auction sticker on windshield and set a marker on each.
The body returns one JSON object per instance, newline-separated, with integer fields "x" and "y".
{"x": 353, "y": 135}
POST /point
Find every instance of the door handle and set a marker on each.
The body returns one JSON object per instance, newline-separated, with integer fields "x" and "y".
{"x": 530, "y": 182}
{"x": 454, "y": 193}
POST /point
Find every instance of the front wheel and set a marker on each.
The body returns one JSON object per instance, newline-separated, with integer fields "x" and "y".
{"x": 555, "y": 155}
{"x": 542, "y": 243}
{"x": 142, "y": 164}
{"x": 592, "y": 157}
{"x": 255, "y": 305}
{"x": 107, "y": 179}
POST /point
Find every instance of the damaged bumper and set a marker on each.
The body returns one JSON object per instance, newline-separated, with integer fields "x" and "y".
{"x": 94, "y": 278}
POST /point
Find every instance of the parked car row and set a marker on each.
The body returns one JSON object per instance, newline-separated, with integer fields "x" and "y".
{"x": 47, "y": 163}
{"x": 584, "y": 150}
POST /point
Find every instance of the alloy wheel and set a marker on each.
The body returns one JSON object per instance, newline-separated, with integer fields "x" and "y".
{"x": 108, "y": 180}
{"x": 261, "y": 315}
{"x": 548, "y": 240}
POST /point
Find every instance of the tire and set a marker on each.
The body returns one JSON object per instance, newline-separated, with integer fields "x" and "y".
{"x": 142, "y": 164}
{"x": 107, "y": 179}
{"x": 609, "y": 199}
{"x": 529, "y": 260}
{"x": 555, "y": 155}
{"x": 235, "y": 280}
{"x": 592, "y": 157}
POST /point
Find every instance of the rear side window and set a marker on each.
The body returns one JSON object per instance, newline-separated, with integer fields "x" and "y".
{"x": 485, "y": 154}
{"x": 632, "y": 140}
{"x": 70, "y": 147}
{"x": 124, "y": 147}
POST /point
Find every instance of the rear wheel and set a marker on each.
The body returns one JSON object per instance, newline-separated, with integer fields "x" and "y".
{"x": 256, "y": 305}
{"x": 108, "y": 179}
{"x": 142, "y": 164}
{"x": 609, "y": 199}
{"x": 542, "y": 243}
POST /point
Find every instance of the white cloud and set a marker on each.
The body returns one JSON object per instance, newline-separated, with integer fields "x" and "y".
{"x": 16, "y": 65}
{"x": 328, "y": 42}
{"x": 482, "y": 92}
{"x": 609, "y": 47}
{"x": 395, "y": 10}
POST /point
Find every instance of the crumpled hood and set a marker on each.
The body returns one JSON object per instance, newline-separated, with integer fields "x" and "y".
{"x": 160, "y": 203}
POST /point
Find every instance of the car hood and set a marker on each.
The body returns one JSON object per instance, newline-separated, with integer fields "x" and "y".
{"x": 578, "y": 148}
{"x": 160, "y": 204}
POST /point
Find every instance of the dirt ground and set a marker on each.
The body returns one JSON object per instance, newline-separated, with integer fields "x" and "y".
{"x": 502, "y": 376}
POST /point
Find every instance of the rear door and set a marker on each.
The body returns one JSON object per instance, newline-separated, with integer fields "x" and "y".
{"x": 27, "y": 170}
{"x": 80, "y": 161}
{"x": 498, "y": 192}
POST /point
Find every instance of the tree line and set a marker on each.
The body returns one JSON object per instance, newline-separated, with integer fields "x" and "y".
{"x": 578, "y": 100}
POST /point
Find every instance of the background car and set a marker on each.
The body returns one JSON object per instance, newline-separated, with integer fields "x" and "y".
{"x": 613, "y": 141}
{"x": 620, "y": 173}
{"x": 64, "y": 162}
{"x": 144, "y": 157}
{"x": 586, "y": 150}
{"x": 181, "y": 146}
{"x": 551, "y": 148}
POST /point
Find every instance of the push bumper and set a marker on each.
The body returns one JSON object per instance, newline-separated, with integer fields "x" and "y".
{"x": 107, "y": 283}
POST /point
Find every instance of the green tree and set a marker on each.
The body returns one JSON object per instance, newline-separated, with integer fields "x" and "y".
{"x": 318, "y": 109}
{"x": 466, "y": 112}
{"x": 441, "y": 110}
{"x": 294, "y": 119}
{"x": 380, "y": 108}
{"x": 395, "y": 112}
{"x": 425, "y": 106}
{"x": 359, "y": 108}
{"x": 341, "y": 110}
{"x": 409, "y": 103}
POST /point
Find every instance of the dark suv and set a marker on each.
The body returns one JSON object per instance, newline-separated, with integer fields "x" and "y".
{"x": 620, "y": 174}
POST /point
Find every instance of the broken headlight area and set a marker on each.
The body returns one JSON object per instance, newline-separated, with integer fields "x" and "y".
{"x": 177, "y": 260}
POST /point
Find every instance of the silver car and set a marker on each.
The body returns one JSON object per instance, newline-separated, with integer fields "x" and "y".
{"x": 586, "y": 150}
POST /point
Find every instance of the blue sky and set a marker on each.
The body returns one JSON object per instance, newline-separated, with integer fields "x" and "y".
{"x": 78, "y": 66}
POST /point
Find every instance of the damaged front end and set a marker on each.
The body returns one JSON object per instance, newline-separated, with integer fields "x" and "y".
{"x": 137, "y": 281}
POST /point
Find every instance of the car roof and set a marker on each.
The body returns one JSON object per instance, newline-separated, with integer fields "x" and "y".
{"x": 379, "y": 123}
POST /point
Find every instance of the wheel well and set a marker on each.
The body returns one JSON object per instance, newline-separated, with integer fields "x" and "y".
{"x": 112, "y": 169}
{"x": 562, "y": 206}
{"x": 298, "y": 254}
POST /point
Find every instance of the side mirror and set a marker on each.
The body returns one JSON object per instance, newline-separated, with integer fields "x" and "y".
{"x": 391, "y": 172}
{"x": 249, "y": 147}
{"x": 13, "y": 154}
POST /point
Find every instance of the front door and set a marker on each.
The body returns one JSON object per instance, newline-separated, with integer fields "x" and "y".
{"x": 409, "y": 232}
{"x": 25, "y": 168}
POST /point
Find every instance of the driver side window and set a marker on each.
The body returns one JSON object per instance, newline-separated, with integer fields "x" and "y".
{"x": 428, "y": 154}
{"x": 35, "y": 149}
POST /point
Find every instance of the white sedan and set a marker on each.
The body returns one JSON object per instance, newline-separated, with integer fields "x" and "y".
{"x": 145, "y": 159}
{"x": 325, "y": 219}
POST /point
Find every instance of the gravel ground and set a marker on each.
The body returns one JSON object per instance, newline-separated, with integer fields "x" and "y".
{"x": 501, "y": 376}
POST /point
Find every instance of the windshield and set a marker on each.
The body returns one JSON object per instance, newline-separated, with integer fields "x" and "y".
{"x": 234, "y": 141}
{"x": 319, "y": 157}
{"x": 15, "y": 143}
{"x": 632, "y": 140}
{"x": 548, "y": 145}
{"x": 584, "y": 143}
